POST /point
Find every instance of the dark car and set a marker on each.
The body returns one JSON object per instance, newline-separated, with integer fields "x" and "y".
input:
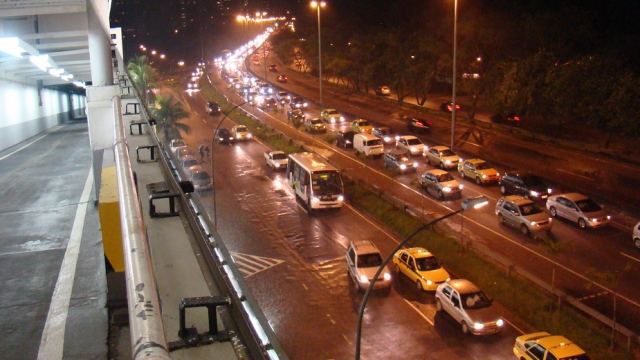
{"x": 213, "y": 109}
{"x": 282, "y": 78}
{"x": 269, "y": 104}
{"x": 224, "y": 136}
{"x": 344, "y": 138}
{"x": 525, "y": 184}
{"x": 297, "y": 102}
{"x": 295, "y": 113}
{"x": 397, "y": 160}
{"x": 385, "y": 133}
{"x": 448, "y": 106}
{"x": 418, "y": 125}
{"x": 273, "y": 67}
{"x": 506, "y": 118}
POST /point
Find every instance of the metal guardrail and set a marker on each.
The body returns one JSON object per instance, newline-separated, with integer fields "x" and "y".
{"x": 248, "y": 317}
{"x": 145, "y": 313}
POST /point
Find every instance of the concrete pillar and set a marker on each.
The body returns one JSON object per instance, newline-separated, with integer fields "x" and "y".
{"x": 101, "y": 129}
{"x": 99, "y": 44}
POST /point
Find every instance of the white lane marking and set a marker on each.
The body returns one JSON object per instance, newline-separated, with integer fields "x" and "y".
{"x": 419, "y": 312}
{"x": 574, "y": 174}
{"x": 52, "y": 341}
{"x": 588, "y": 297}
{"x": 470, "y": 143}
{"x": 29, "y": 144}
{"x": 345, "y": 337}
{"x": 630, "y": 257}
{"x": 513, "y": 326}
{"x": 370, "y": 222}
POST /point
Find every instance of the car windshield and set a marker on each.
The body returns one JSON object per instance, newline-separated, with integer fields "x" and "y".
{"x": 369, "y": 260}
{"x": 415, "y": 141}
{"x": 296, "y": 98}
{"x": 427, "y": 264}
{"x": 179, "y": 143}
{"x": 241, "y": 129}
{"x": 588, "y": 205}
{"x": 374, "y": 142}
{"x": 279, "y": 156}
{"x": 315, "y": 121}
{"x": 529, "y": 209}
{"x": 445, "y": 177}
{"x": 326, "y": 182}
{"x": 201, "y": 176}
{"x": 447, "y": 152}
{"x": 383, "y": 131}
{"x": 482, "y": 166}
{"x": 363, "y": 123}
{"x": 476, "y": 300}
{"x": 332, "y": 112}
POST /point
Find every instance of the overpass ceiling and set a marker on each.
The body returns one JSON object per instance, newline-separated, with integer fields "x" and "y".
{"x": 57, "y": 28}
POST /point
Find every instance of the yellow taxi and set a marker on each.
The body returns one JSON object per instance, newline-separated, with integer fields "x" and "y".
{"x": 542, "y": 345}
{"x": 478, "y": 170}
{"x": 421, "y": 267}
{"x": 361, "y": 126}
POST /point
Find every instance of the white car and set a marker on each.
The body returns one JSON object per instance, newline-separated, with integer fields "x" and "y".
{"x": 579, "y": 209}
{"x": 636, "y": 235}
{"x": 363, "y": 261}
{"x": 411, "y": 145}
{"x": 441, "y": 183}
{"x": 442, "y": 156}
{"x": 332, "y": 116}
{"x": 176, "y": 144}
{"x": 468, "y": 306}
{"x": 282, "y": 96}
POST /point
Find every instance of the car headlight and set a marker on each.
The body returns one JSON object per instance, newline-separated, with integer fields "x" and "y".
{"x": 429, "y": 282}
{"x": 340, "y": 198}
{"x": 315, "y": 199}
{"x": 341, "y": 118}
{"x": 446, "y": 189}
{"x": 277, "y": 165}
{"x": 387, "y": 139}
{"x": 448, "y": 162}
{"x": 549, "y": 190}
{"x": 500, "y": 322}
{"x": 304, "y": 104}
{"x": 415, "y": 164}
{"x": 413, "y": 149}
{"x": 461, "y": 186}
{"x": 608, "y": 217}
{"x": 249, "y": 136}
{"x": 237, "y": 136}
{"x": 534, "y": 193}
{"x": 403, "y": 166}
{"x": 533, "y": 223}
{"x": 387, "y": 276}
{"x": 333, "y": 120}
{"x": 484, "y": 176}
{"x": 363, "y": 279}
{"x": 478, "y": 326}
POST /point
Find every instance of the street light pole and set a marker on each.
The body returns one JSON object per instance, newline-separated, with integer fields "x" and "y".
{"x": 474, "y": 203}
{"x": 213, "y": 183}
{"x": 453, "y": 96}
{"x": 319, "y": 5}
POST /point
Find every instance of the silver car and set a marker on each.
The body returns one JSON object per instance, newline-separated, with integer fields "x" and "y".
{"x": 468, "y": 306}
{"x": 363, "y": 261}
{"x": 522, "y": 214}
{"x": 579, "y": 209}
{"x": 441, "y": 183}
{"x": 442, "y": 156}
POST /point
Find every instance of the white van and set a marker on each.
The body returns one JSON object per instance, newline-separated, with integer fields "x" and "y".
{"x": 368, "y": 144}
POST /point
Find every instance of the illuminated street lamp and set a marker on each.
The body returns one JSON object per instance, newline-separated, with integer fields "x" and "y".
{"x": 470, "y": 203}
{"x": 453, "y": 96}
{"x": 318, "y": 5}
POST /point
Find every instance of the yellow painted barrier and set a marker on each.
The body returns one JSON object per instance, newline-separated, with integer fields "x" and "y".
{"x": 109, "y": 210}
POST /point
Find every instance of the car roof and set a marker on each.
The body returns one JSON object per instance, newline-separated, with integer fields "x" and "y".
{"x": 440, "y": 148}
{"x": 463, "y": 286}
{"x": 419, "y": 252}
{"x": 436, "y": 172}
{"x": 196, "y": 168}
{"x": 365, "y": 247}
{"x": 188, "y": 157}
{"x": 518, "y": 200}
{"x": 574, "y": 196}
{"x": 383, "y": 128}
{"x": 360, "y": 120}
{"x": 475, "y": 161}
{"x": 560, "y": 346}
{"x": 407, "y": 137}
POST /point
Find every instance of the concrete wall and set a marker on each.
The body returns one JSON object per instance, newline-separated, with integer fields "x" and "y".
{"x": 21, "y": 116}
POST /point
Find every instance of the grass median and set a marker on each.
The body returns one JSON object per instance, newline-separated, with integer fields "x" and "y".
{"x": 517, "y": 295}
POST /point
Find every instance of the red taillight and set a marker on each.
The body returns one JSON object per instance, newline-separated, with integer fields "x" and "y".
{"x": 516, "y": 118}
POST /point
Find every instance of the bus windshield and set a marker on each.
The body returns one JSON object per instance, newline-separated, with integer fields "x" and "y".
{"x": 326, "y": 183}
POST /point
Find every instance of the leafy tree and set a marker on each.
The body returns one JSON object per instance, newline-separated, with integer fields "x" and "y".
{"x": 142, "y": 75}
{"x": 168, "y": 114}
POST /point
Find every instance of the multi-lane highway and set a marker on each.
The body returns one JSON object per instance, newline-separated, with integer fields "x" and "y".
{"x": 295, "y": 266}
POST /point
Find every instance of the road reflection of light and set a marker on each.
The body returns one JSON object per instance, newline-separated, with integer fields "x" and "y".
{"x": 342, "y": 240}
{"x": 278, "y": 183}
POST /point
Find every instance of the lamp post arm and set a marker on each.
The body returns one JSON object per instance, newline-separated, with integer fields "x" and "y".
{"x": 213, "y": 184}
{"x": 382, "y": 266}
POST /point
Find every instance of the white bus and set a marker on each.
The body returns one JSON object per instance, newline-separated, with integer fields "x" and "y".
{"x": 317, "y": 183}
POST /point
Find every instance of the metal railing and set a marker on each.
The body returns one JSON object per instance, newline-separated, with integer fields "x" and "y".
{"x": 145, "y": 313}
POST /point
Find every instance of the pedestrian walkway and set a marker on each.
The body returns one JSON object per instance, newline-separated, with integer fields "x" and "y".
{"x": 52, "y": 274}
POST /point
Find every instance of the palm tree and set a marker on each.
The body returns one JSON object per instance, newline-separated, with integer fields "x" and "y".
{"x": 142, "y": 75}
{"x": 168, "y": 116}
